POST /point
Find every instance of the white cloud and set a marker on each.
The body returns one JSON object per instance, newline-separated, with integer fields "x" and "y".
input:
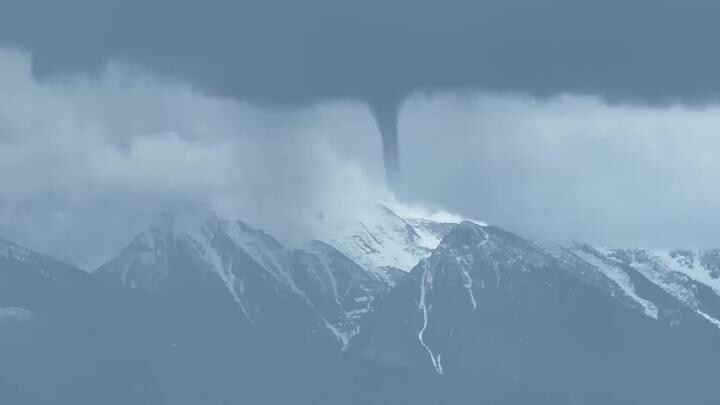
{"x": 87, "y": 162}
{"x": 569, "y": 167}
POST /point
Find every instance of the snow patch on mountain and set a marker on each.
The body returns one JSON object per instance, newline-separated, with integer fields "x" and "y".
{"x": 614, "y": 272}
{"x": 9, "y": 250}
{"x": 262, "y": 248}
{"x": 378, "y": 237}
{"x": 314, "y": 273}
{"x": 425, "y": 307}
{"x": 352, "y": 289}
{"x": 45, "y": 265}
{"x": 703, "y": 267}
{"x": 676, "y": 272}
{"x": 200, "y": 243}
{"x": 709, "y": 318}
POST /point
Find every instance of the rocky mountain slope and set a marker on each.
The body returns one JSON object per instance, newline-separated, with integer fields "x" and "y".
{"x": 382, "y": 308}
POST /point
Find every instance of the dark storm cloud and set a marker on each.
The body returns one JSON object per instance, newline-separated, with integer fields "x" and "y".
{"x": 298, "y": 51}
{"x": 294, "y": 52}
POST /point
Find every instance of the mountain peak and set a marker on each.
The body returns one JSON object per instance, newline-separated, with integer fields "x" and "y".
{"x": 12, "y": 251}
{"x": 187, "y": 219}
{"x": 8, "y": 249}
{"x": 378, "y": 238}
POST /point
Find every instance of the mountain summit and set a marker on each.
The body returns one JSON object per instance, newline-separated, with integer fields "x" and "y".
{"x": 381, "y": 308}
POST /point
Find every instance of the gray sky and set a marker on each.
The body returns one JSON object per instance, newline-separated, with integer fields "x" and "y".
{"x": 295, "y": 52}
{"x": 558, "y": 119}
{"x": 282, "y": 51}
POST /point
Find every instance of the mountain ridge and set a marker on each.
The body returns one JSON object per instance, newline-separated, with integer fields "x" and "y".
{"x": 483, "y": 304}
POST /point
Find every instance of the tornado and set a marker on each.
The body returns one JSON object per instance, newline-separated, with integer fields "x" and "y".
{"x": 386, "y": 112}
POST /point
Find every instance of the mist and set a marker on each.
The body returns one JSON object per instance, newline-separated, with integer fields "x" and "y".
{"x": 87, "y": 162}
{"x": 569, "y": 168}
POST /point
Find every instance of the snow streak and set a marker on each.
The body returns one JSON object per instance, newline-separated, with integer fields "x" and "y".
{"x": 425, "y": 283}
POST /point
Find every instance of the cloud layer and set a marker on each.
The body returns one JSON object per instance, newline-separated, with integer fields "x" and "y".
{"x": 85, "y": 163}
{"x": 569, "y": 167}
{"x": 301, "y": 52}
{"x": 289, "y": 51}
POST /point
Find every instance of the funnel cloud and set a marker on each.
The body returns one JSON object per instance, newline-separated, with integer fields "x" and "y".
{"x": 295, "y": 53}
{"x": 386, "y": 113}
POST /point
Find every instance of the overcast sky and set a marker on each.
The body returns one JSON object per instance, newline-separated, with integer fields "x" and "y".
{"x": 296, "y": 51}
{"x": 558, "y": 119}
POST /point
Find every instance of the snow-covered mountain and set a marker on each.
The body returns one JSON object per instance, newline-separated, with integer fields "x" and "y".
{"x": 417, "y": 309}
{"x": 173, "y": 333}
{"x": 12, "y": 252}
{"x": 690, "y": 277}
{"x": 339, "y": 277}
{"x": 256, "y": 271}
{"x": 59, "y": 330}
{"x": 25, "y": 275}
{"x": 490, "y": 306}
{"x": 378, "y": 238}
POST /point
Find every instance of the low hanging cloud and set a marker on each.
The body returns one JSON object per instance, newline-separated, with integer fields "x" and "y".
{"x": 87, "y": 162}
{"x": 569, "y": 168}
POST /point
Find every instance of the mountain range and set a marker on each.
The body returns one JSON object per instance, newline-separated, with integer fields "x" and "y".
{"x": 384, "y": 308}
